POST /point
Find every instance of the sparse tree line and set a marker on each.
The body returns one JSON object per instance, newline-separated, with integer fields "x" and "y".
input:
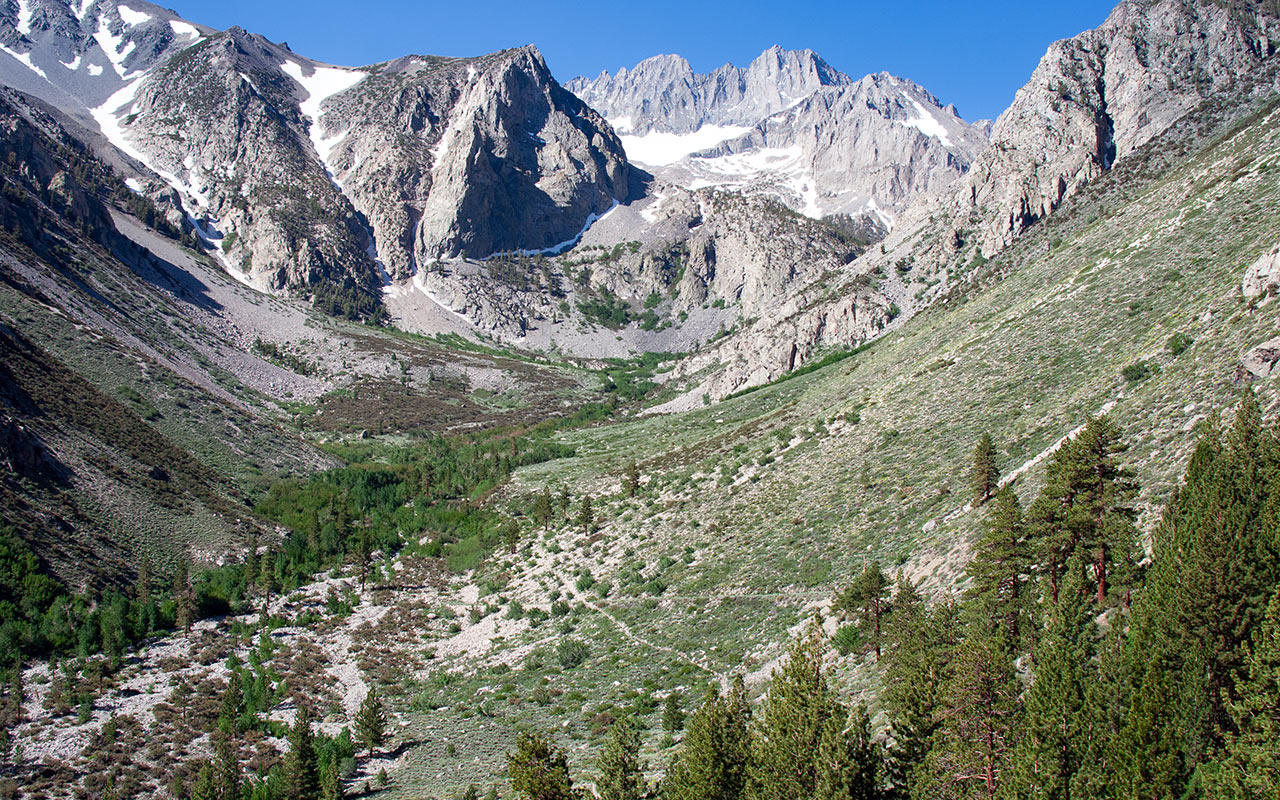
{"x": 1076, "y": 664}
{"x": 315, "y": 767}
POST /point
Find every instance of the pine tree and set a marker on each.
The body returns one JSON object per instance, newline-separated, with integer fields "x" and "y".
{"x": 233, "y": 705}
{"x": 977, "y": 714}
{"x": 621, "y": 773}
{"x": 924, "y": 639}
{"x": 301, "y": 770}
{"x": 182, "y": 594}
{"x": 565, "y": 501}
{"x": 371, "y": 721}
{"x": 673, "y": 714}
{"x": 1214, "y": 564}
{"x": 1249, "y": 765}
{"x": 542, "y": 509}
{"x": 266, "y": 581}
{"x": 798, "y": 709}
{"x": 331, "y": 780}
{"x": 586, "y": 518}
{"x": 228, "y": 775}
{"x": 1085, "y": 508}
{"x": 364, "y": 550}
{"x": 539, "y": 770}
{"x": 712, "y": 761}
{"x": 849, "y": 762}
{"x": 868, "y": 596}
{"x": 1001, "y": 564}
{"x": 985, "y": 474}
{"x": 203, "y": 787}
{"x": 1055, "y": 732}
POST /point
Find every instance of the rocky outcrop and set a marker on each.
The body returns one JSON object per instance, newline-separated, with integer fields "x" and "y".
{"x": 1259, "y": 363}
{"x": 451, "y": 157}
{"x": 1092, "y": 100}
{"x": 1262, "y": 279}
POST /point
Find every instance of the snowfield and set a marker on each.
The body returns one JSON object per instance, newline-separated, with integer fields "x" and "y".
{"x": 658, "y": 149}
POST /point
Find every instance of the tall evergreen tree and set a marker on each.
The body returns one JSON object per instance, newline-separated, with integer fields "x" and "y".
{"x": 586, "y": 518}
{"x": 868, "y": 597}
{"x": 799, "y": 708}
{"x": 1248, "y": 767}
{"x": 301, "y": 767}
{"x": 1085, "y": 508}
{"x": 266, "y": 581}
{"x": 542, "y": 509}
{"x": 673, "y": 713}
{"x": 712, "y": 761}
{"x": 1216, "y": 558}
{"x": 924, "y": 639}
{"x": 1055, "y": 731}
{"x": 621, "y": 773}
{"x": 976, "y": 716}
{"x": 849, "y": 761}
{"x": 184, "y": 602}
{"x": 984, "y": 477}
{"x": 371, "y": 721}
{"x": 1001, "y": 564}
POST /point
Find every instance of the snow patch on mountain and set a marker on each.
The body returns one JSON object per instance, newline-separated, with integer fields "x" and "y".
{"x": 320, "y": 85}
{"x": 130, "y": 17}
{"x": 181, "y": 28}
{"x": 658, "y": 148}
{"x": 113, "y": 46}
{"x": 927, "y": 123}
{"x": 25, "y": 58}
{"x": 783, "y": 171}
{"x": 24, "y": 17}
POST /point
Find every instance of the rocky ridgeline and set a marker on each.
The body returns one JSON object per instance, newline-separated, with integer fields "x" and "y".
{"x": 814, "y": 138}
{"x": 663, "y": 93}
{"x": 1092, "y": 101}
{"x": 294, "y": 172}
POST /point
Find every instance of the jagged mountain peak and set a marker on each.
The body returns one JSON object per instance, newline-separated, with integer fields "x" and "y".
{"x": 663, "y": 93}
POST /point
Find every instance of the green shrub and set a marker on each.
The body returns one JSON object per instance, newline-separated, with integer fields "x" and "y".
{"x": 1139, "y": 371}
{"x": 1178, "y": 344}
{"x": 571, "y": 652}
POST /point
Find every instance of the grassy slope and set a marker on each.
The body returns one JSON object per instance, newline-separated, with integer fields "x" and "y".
{"x": 865, "y": 458}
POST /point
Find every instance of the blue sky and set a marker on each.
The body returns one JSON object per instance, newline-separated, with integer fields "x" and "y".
{"x": 974, "y": 54}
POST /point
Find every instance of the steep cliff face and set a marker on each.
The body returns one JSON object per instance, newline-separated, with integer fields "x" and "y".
{"x": 1092, "y": 100}
{"x": 448, "y": 157}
